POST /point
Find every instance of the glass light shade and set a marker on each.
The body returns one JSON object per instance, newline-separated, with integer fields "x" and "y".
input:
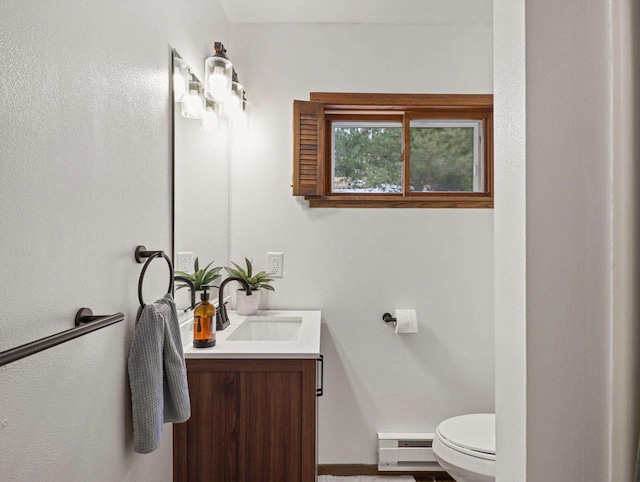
{"x": 193, "y": 105}
{"x": 232, "y": 106}
{"x": 217, "y": 78}
{"x": 180, "y": 79}
{"x": 209, "y": 121}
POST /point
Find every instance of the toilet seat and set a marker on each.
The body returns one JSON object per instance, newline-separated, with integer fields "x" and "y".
{"x": 465, "y": 447}
{"x": 472, "y": 435}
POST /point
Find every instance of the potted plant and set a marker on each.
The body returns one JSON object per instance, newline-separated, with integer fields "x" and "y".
{"x": 248, "y": 305}
{"x": 199, "y": 277}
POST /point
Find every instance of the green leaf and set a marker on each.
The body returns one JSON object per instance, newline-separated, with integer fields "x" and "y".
{"x": 233, "y": 272}
{"x": 240, "y": 270}
{"x": 195, "y": 265}
{"x": 211, "y": 275}
{"x": 249, "y": 267}
{"x": 207, "y": 267}
{"x": 268, "y": 287}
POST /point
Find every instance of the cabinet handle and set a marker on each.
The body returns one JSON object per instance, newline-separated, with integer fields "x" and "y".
{"x": 320, "y": 391}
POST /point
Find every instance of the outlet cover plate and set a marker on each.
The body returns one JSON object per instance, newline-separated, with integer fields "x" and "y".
{"x": 274, "y": 264}
{"x": 184, "y": 262}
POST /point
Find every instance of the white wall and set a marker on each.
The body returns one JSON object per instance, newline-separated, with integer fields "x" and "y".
{"x": 569, "y": 206}
{"x": 626, "y": 262}
{"x": 510, "y": 239}
{"x": 356, "y": 264}
{"x": 84, "y": 178}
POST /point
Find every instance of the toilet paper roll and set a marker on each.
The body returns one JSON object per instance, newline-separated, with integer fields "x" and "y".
{"x": 406, "y": 321}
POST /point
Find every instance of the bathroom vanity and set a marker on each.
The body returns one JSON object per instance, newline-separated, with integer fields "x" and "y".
{"x": 253, "y": 401}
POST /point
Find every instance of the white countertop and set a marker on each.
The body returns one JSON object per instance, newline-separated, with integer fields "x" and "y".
{"x": 305, "y": 345}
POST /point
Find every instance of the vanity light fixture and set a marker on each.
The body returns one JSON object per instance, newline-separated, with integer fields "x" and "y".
{"x": 181, "y": 76}
{"x": 193, "y": 106}
{"x": 218, "y": 75}
{"x": 222, "y": 89}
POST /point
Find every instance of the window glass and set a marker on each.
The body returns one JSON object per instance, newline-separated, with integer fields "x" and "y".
{"x": 366, "y": 157}
{"x": 445, "y": 156}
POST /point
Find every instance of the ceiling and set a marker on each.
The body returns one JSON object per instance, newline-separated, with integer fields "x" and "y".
{"x": 399, "y": 12}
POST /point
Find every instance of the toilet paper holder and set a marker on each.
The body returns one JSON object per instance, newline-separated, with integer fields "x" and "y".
{"x": 387, "y": 318}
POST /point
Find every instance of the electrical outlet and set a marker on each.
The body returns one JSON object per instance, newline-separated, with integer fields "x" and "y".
{"x": 274, "y": 264}
{"x": 184, "y": 262}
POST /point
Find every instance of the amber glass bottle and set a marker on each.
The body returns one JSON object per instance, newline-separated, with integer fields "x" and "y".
{"x": 204, "y": 322}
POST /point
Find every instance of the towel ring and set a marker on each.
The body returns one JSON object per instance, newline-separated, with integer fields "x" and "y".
{"x": 141, "y": 253}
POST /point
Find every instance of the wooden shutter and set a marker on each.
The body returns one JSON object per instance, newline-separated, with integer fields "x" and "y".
{"x": 308, "y": 148}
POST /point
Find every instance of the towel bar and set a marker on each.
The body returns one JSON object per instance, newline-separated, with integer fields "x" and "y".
{"x": 85, "y": 323}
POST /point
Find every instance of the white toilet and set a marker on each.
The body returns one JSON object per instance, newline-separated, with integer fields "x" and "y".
{"x": 465, "y": 447}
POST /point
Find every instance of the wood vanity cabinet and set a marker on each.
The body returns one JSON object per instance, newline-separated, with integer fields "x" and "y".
{"x": 251, "y": 421}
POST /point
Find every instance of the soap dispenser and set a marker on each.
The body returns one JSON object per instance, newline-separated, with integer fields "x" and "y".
{"x": 204, "y": 324}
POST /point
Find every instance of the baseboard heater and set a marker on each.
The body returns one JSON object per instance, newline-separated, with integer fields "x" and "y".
{"x": 406, "y": 452}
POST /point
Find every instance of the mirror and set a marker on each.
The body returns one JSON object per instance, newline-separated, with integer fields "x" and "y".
{"x": 200, "y": 177}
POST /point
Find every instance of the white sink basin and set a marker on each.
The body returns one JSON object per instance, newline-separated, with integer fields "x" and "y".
{"x": 267, "y": 328}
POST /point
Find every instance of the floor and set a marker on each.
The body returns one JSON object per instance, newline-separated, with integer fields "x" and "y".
{"x": 346, "y": 470}
{"x": 439, "y": 478}
{"x": 433, "y": 479}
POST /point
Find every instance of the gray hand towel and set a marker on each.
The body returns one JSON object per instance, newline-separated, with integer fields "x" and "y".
{"x": 157, "y": 374}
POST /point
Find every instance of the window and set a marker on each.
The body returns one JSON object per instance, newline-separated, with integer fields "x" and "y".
{"x": 394, "y": 150}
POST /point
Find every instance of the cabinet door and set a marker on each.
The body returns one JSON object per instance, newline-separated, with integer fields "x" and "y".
{"x": 251, "y": 420}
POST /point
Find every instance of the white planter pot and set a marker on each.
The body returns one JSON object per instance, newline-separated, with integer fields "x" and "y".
{"x": 247, "y": 305}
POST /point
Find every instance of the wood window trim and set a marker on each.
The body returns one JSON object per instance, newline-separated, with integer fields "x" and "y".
{"x": 313, "y": 181}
